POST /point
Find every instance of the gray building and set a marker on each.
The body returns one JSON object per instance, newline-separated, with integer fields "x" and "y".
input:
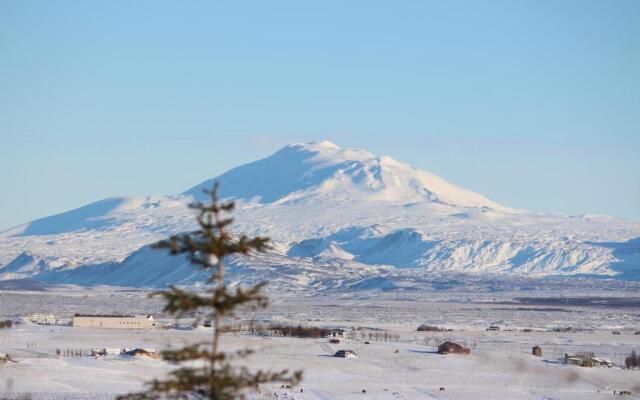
{"x": 114, "y": 321}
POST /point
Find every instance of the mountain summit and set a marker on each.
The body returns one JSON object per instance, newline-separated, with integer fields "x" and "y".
{"x": 323, "y": 169}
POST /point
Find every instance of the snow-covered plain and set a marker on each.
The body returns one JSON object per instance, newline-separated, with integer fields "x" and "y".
{"x": 499, "y": 367}
{"x": 338, "y": 218}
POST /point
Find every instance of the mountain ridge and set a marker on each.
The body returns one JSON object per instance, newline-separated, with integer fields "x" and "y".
{"x": 324, "y": 206}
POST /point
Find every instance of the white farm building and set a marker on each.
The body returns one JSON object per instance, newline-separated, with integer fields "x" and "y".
{"x": 115, "y": 321}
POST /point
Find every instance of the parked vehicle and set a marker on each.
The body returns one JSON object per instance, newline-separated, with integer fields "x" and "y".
{"x": 345, "y": 353}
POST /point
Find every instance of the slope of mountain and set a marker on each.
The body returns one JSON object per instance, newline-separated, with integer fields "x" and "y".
{"x": 24, "y": 266}
{"x": 338, "y": 217}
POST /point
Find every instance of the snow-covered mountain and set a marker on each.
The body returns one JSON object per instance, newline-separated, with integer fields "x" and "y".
{"x": 324, "y": 171}
{"x": 338, "y": 218}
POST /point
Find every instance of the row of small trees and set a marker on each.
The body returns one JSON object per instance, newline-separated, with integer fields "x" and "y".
{"x": 72, "y": 353}
{"x": 312, "y": 332}
{"x": 6, "y": 324}
{"x": 430, "y": 328}
{"x": 380, "y": 336}
{"x": 298, "y": 331}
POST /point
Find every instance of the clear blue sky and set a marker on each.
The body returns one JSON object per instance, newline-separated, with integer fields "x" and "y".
{"x": 535, "y": 104}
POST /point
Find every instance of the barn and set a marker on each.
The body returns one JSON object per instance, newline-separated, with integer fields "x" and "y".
{"x": 114, "y": 321}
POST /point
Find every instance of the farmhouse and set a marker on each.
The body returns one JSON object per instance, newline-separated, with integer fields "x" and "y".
{"x": 336, "y": 333}
{"x": 114, "y": 321}
{"x": 587, "y": 360}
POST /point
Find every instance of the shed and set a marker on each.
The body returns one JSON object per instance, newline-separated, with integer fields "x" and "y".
{"x": 536, "y": 351}
{"x": 452, "y": 348}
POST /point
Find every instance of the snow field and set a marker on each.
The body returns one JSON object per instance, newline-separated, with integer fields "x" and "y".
{"x": 499, "y": 367}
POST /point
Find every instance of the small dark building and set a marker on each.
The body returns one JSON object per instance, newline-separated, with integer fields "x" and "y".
{"x": 536, "y": 351}
{"x": 452, "y": 348}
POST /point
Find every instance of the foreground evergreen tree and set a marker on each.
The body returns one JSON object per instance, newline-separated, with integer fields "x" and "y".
{"x": 206, "y": 371}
